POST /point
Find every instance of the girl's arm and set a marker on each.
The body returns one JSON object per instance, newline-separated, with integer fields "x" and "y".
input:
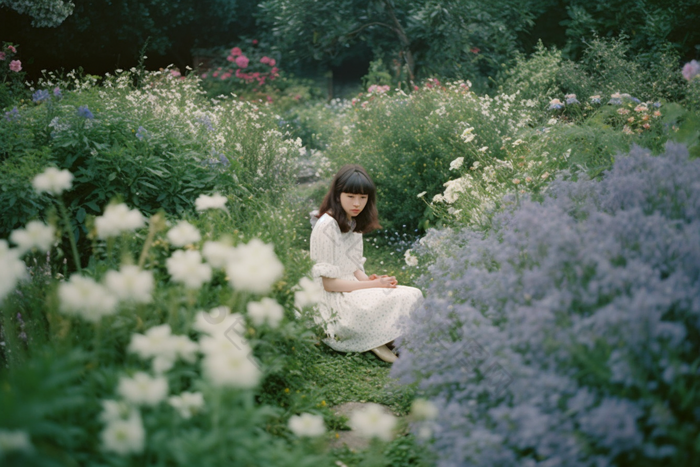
{"x": 361, "y": 276}
{"x": 342, "y": 285}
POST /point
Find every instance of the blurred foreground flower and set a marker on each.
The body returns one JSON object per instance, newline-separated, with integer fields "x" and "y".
{"x": 309, "y": 295}
{"x": 124, "y": 436}
{"x": 83, "y": 297}
{"x": 118, "y": 218}
{"x": 187, "y": 268}
{"x": 204, "y": 202}
{"x": 53, "y": 181}
{"x": 143, "y": 389}
{"x": 307, "y": 425}
{"x": 130, "y": 284}
{"x": 183, "y": 234}
{"x": 35, "y": 234}
{"x": 256, "y": 269}
{"x": 187, "y": 403}
{"x": 267, "y": 310}
{"x": 373, "y": 422}
{"x": 14, "y": 440}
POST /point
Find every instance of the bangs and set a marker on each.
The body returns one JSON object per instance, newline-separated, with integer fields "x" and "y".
{"x": 358, "y": 184}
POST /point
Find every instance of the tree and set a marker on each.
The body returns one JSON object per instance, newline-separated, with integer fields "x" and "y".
{"x": 44, "y": 13}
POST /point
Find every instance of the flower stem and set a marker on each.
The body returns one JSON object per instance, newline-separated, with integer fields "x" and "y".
{"x": 154, "y": 226}
{"x": 69, "y": 230}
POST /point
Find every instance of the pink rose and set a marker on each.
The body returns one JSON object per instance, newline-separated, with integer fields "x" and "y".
{"x": 272, "y": 62}
{"x": 230, "y": 58}
{"x": 265, "y": 60}
{"x": 242, "y": 61}
{"x": 204, "y": 75}
{"x": 691, "y": 70}
{"x": 255, "y": 41}
{"x": 235, "y": 52}
{"x": 15, "y": 65}
{"x": 11, "y": 49}
{"x": 2, "y": 55}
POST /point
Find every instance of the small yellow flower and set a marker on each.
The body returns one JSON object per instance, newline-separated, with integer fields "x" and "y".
{"x": 286, "y": 390}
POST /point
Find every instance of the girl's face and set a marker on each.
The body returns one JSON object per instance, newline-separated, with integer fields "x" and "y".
{"x": 353, "y": 203}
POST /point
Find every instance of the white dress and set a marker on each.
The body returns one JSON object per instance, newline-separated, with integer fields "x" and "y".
{"x": 363, "y": 319}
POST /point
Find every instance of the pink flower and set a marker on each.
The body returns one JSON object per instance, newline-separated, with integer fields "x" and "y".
{"x": 236, "y": 52}
{"x": 269, "y": 99}
{"x": 2, "y": 55}
{"x": 16, "y": 65}
{"x": 11, "y": 49}
{"x": 175, "y": 73}
{"x": 215, "y": 74}
{"x": 242, "y": 61}
{"x": 475, "y": 50}
{"x": 274, "y": 71}
{"x": 226, "y": 76}
{"x": 272, "y": 62}
{"x": 255, "y": 41}
{"x": 691, "y": 70}
{"x": 265, "y": 60}
{"x": 230, "y": 58}
{"x": 204, "y": 75}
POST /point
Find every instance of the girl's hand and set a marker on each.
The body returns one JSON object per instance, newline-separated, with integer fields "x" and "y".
{"x": 387, "y": 282}
{"x": 372, "y": 277}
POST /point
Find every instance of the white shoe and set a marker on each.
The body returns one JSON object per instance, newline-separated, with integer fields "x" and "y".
{"x": 385, "y": 354}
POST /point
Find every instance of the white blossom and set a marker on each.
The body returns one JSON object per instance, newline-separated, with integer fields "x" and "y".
{"x": 183, "y": 234}
{"x": 84, "y": 297}
{"x": 143, "y": 389}
{"x": 130, "y": 284}
{"x": 310, "y": 294}
{"x": 53, "y": 181}
{"x": 410, "y": 259}
{"x": 14, "y": 440}
{"x": 124, "y": 436}
{"x": 421, "y": 194}
{"x": 187, "y": 403}
{"x": 231, "y": 369}
{"x": 187, "y": 268}
{"x": 423, "y": 409}
{"x": 12, "y": 269}
{"x": 467, "y": 136}
{"x": 373, "y": 422}
{"x": 118, "y": 218}
{"x": 216, "y": 201}
{"x": 218, "y": 254}
{"x": 267, "y": 311}
{"x": 307, "y": 424}
{"x": 115, "y": 410}
{"x": 35, "y": 234}
{"x": 457, "y": 163}
{"x": 256, "y": 269}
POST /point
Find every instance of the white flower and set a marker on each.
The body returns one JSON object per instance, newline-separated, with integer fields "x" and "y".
{"x": 457, "y": 163}
{"x": 118, "y": 218}
{"x": 143, "y": 389}
{"x": 204, "y": 202}
{"x": 257, "y": 267}
{"x": 12, "y": 269}
{"x": 410, "y": 259}
{"x": 552, "y": 121}
{"x": 187, "y": 268}
{"x": 218, "y": 254}
{"x": 484, "y": 149}
{"x": 86, "y": 298}
{"x": 130, "y": 284}
{"x": 183, "y": 233}
{"x": 423, "y": 409}
{"x": 115, "y": 410}
{"x": 124, "y": 436}
{"x": 438, "y": 198}
{"x": 372, "y": 422}
{"x": 53, "y": 181}
{"x": 187, "y": 403}
{"x": 14, "y": 440}
{"x": 307, "y": 424}
{"x": 467, "y": 135}
{"x": 218, "y": 320}
{"x": 154, "y": 342}
{"x": 184, "y": 348}
{"x": 34, "y": 235}
{"x": 421, "y": 194}
{"x": 310, "y": 294}
{"x": 231, "y": 369}
{"x": 267, "y": 311}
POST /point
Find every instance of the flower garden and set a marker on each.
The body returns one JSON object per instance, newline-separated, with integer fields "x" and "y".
{"x": 154, "y": 266}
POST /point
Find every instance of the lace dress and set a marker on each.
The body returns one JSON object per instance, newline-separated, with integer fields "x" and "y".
{"x": 363, "y": 319}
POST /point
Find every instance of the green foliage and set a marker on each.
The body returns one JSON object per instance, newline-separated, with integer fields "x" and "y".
{"x": 607, "y": 67}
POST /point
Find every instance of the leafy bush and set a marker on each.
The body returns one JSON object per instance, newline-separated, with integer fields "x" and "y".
{"x": 157, "y": 147}
{"x": 568, "y": 331}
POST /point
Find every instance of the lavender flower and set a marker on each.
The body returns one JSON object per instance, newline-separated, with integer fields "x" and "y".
{"x": 556, "y": 104}
{"x": 571, "y": 99}
{"x": 84, "y": 112}
{"x": 589, "y": 301}
{"x": 12, "y": 115}
{"x": 141, "y": 133}
{"x": 691, "y": 70}
{"x": 595, "y": 99}
{"x": 41, "y": 95}
{"x": 57, "y": 92}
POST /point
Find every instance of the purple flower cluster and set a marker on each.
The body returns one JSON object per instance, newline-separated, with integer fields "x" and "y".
{"x": 568, "y": 333}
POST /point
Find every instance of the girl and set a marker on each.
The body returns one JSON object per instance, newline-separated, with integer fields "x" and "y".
{"x": 359, "y": 313}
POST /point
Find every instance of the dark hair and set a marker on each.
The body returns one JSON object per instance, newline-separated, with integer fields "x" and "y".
{"x": 352, "y": 178}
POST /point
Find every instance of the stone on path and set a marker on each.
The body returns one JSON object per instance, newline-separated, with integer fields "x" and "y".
{"x": 352, "y": 440}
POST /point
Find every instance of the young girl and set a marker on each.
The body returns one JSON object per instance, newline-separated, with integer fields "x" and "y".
{"x": 359, "y": 313}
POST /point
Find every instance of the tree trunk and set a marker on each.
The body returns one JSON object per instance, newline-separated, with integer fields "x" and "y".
{"x": 403, "y": 38}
